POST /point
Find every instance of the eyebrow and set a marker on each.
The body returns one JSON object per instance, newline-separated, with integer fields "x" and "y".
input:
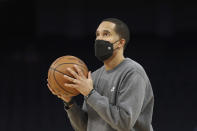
{"x": 106, "y": 31}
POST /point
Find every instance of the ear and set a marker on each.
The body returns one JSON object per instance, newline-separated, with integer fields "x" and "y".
{"x": 122, "y": 42}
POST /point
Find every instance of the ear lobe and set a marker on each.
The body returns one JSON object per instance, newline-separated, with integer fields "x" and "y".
{"x": 123, "y": 42}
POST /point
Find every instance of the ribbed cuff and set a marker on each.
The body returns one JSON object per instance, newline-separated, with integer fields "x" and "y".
{"x": 68, "y": 104}
{"x": 91, "y": 92}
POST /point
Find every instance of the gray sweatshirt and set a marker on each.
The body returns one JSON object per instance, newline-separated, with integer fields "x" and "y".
{"x": 123, "y": 101}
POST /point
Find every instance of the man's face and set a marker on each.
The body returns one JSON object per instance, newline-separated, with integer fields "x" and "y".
{"x": 106, "y": 32}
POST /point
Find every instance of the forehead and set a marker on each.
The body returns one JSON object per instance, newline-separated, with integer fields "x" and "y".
{"x": 105, "y": 25}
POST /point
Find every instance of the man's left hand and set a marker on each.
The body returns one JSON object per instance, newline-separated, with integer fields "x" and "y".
{"x": 80, "y": 82}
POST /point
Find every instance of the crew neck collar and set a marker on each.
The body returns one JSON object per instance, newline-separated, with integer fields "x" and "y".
{"x": 118, "y": 66}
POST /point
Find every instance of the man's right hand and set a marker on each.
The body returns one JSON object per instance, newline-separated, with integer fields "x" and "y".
{"x": 66, "y": 98}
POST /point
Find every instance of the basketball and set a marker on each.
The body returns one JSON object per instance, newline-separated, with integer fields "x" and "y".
{"x": 57, "y": 71}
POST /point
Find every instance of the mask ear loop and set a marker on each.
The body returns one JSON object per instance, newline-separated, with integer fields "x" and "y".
{"x": 115, "y": 43}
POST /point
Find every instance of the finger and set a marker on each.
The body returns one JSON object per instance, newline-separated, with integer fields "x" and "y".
{"x": 70, "y": 85}
{"x": 68, "y": 78}
{"x": 53, "y": 92}
{"x": 71, "y": 79}
{"x": 47, "y": 80}
{"x": 50, "y": 88}
{"x": 59, "y": 96}
{"x": 79, "y": 71}
{"x": 89, "y": 75}
{"x": 67, "y": 95}
{"x": 73, "y": 73}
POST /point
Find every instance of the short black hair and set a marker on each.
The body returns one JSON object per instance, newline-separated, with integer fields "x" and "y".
{"x": 121, "y": 29}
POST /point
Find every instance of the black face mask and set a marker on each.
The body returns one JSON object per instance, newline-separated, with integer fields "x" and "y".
{"x": 103, "y": 49}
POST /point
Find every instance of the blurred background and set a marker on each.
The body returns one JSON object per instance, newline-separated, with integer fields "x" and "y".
{"x": 36, "y": 32}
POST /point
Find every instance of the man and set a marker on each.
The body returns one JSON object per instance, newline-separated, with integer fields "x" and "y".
{"x": 118, "y": 96}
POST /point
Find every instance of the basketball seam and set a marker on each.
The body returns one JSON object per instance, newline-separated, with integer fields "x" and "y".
{"x": 58, "y": 83}
{"x": 58, "y": 60}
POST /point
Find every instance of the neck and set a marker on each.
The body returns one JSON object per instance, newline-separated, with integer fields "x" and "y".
{"x": 113, "y": 61}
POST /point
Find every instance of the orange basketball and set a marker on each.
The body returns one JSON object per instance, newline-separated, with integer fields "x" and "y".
{"x": 57, "y": 71}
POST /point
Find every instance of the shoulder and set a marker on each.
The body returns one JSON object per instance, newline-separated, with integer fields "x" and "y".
{"x": 134, "y": 68}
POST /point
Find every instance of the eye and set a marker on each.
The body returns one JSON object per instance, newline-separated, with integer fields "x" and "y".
{"x": 105, "y": 34}
{"x": 97, "y": 34}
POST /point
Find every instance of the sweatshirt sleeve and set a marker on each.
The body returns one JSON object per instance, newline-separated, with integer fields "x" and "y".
{"x": 124, "y": 114}
{"x": 78, "y": 117}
